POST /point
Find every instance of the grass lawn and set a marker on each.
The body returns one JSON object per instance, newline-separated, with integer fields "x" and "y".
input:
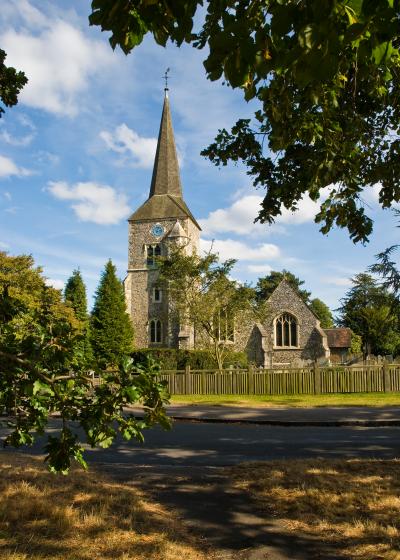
{"x": 352, "y": 506}
{"x": 83, "y": 516}
{"x": 340, "y": 399}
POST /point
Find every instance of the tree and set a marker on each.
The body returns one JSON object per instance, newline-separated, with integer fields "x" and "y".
{"x": 11, "y": 83}
{"x": 325, "y": 77}
{"x": 367, "y": 311}
{"x": 266, "y": 285}
{"x": 40, "y": 376}
{"x": 205, "y": 298}
{"x": 322, "y": 311}
{"x": 111, "y": 327}
{"x": 388, "y": 268}
{"x": 356, "y": 343}
{"x": 75, "y": 296}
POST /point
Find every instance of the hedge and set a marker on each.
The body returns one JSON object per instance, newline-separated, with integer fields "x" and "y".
{"x": 175, "y": 359}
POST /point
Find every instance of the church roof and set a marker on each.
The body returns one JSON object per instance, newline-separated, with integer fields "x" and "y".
{"x": 165, "y": 198}
{"x": 339, "y": 337}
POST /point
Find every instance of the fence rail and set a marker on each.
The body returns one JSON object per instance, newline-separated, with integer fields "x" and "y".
{"x": 286, "y": 381}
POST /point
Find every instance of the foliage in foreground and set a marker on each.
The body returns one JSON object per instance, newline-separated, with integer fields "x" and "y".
{"x": 41, "y": 374}
{"x": 11, "y": 83}
{"x": 324, "y": 78}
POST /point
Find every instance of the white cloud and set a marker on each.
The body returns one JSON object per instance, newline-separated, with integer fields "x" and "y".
{"x": 22, "y": 141}
{"x": 58, "y": 61}
{"x": 126, "y": 141}
{"x": 96, "y": 203}
{"x": 8, "y": 168}
{"x": 259, "y": 268}
{"x": 7, "y": 195}
{"x": 239, "y": 217}
{"x": 337, "y": 281}
{"x": 4, "y": 245}
{"x": 55, "y": 283}
{"x": 231, "y": 249}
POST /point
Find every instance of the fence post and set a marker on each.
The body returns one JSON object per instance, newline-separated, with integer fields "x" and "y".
{"x": 317, "y": 379}
{"x": 386, "y": 378}
{"x": 203, "y": 382}
{"x": 187, "y": 379}
{"x": 250, "y": 376}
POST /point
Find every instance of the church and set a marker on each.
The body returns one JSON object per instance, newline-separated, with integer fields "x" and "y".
{"x": 291, "y": 333}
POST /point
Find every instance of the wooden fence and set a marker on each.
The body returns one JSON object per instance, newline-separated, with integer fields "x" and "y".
{"x": 286, "y": 381}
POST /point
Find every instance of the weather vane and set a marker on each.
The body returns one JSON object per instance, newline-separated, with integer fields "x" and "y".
{"x": 166, "y": 79}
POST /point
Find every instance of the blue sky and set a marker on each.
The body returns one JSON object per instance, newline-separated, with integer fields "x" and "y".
{"x": 76, "y": 159}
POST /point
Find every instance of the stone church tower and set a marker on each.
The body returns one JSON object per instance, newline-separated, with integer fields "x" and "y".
{"x": 164, "y": 219}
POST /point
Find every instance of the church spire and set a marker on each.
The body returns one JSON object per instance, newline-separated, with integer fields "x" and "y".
{"x": 166, "y": 176}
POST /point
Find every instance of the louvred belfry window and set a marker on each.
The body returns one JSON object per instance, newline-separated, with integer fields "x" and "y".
{"x": 286, "y": 331}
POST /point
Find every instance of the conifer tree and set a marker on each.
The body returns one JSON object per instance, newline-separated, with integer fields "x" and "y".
{"x": 75, "y": 296}
{"x": 111, "y": 327}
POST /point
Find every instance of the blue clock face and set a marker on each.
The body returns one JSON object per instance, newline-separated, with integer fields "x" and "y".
{"x": 157, "y": 230}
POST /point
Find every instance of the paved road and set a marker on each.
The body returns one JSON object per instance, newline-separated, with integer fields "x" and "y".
{"x": 196, "y": 444}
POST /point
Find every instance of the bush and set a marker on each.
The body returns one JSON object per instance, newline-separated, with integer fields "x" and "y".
{"x": 175, "y": 359}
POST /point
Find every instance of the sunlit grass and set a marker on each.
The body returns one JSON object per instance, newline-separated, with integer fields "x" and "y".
{"x": 307, "y": 401}
{"x": 83, "y": 516}
{"x": 352, "y": 506}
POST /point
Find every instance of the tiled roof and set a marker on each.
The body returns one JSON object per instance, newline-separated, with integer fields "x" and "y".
{"x": 338, "y": 338}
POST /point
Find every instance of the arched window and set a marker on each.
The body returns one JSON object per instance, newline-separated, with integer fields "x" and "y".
{"x": 286, "y": 331}
{"x": 155, "y": 330}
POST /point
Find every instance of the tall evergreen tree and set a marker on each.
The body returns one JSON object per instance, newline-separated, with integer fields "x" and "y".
{"x": 75, "y": 296}
{"x": 111, "y": 327}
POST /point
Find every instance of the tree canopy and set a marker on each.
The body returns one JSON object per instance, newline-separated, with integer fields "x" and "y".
{"x": 267, "y": 284}
{"x": 11, "y": 83}
{"x": 325, "y": 77}
{"x": 388, "y": 269}
{"x": 368, "y": 309}
{"x": 40, "y": 374}
{"x": 322, "y": 311}
{"x": 203, "y": 297}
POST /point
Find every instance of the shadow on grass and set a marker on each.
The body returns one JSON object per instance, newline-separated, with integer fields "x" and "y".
{"x": 82, "y": 516}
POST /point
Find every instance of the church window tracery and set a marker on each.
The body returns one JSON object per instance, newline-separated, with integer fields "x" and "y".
{"x": 155, "y": 331}
{"x": 286, "y": 334}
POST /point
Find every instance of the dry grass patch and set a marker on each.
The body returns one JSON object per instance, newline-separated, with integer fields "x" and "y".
{"x": 84, "y": 516}
{"x": 353, "y": 506}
